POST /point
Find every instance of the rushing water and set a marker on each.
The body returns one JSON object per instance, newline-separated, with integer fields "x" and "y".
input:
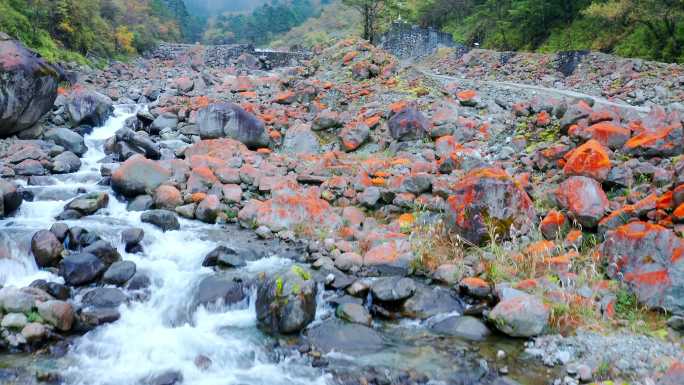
{"x": 161, "y": 333}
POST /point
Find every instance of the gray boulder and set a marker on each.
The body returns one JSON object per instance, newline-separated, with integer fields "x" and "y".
{"x": 85, "y": 106}
{"x": 66, "y": 163}
{"x": 80, "y": 269}
{"x": 344, "y": 337}
{"x": 392, "y": 289}
{"x": 465, "y": 327}
{"x": 28, "y": 84}
{"x": 68, "y": 139}
{"x": 521, "y": 316}
{"x": 164, "y": 219}
{"x": 230, "y": 120}
{"x": 286, "y": 302}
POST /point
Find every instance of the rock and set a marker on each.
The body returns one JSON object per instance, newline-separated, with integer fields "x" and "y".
{"x": 392, "y": 289}
{"x": 207, "y": 211}
{"x": 55, "y": 289}
{"x": 521, "y": 316}
{"x": 219, "y": 290}
{"x": 10, "y": 198}
{"x": 91, "y": 317}
{"x": 590, "y": 159}
{"x": 29, "y": 167}
{"x": 68, "y": 139}
{"x": 140, "y": 203}
{"x": 81, "y": 268}
{"x": 167, "y": 197}
{"x": 138, "y": 175}
{"x": 354, "y": 313}
{"x": 353, "y": 136}
{"x": 104, "y": 251}
{"x": 104, "y": 297}
{"x": 46, "y": 248}
{"x": 29, "y": 86}
{"x": 427, "y": 302}
{"x": 59, "y": 314}
{"x": 66, "y": 163}
{"x": 89, "y": 203}
{"x": 486, "y": 199}
{"x": 299, "y": 139}
{"x": 574, "y": 113}
{"x": 34, "y": 332}
{"x": 342, "y": 337}
{"x": 14, "y": 321}
{"x": 291, "y": 206}
{"x": 286, "y": 303}
{"x": 448, "y": 274}
{"x": 465, "y": 327}
{"x": 325, "y": 120}
{"x": 229, "y": 256}
{"x": 658, "y": 135}
{"x": 584, "y": 198}
{"x": 132, "y": 237}
{"x": 408, "y": 124}
{"x": 164, "y": 120}
{"x": 139, "y": 281}
{"x": 554, "y": 225}
{"x": 164, "y": 219}
{"x": 119, "y": 273}
{"x": 13, "y": 300}
{"x": 474, "y": 287}
{"x": 610, "y": 135}
{"x": 230, "y": 120}
{"x": 649, "y": 258}
{"x": 87, "y": 107}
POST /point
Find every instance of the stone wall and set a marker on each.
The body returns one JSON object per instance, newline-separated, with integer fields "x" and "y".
{"x": 225, "y": 55}
{"x": 405, "y": 40}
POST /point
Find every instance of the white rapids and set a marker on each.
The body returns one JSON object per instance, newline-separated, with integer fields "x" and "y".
{"x": 160, "y": 333}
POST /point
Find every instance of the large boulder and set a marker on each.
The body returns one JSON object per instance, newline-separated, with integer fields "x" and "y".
{"x": 590, "y": 159}
{"x": 232, "y": 121}
{"x": 219, "y": 290}
{"x": 344, "y": 337}
{"x": 409, "y": 124}
{"x": 286, "y": 302}
{"x": 80, "y": 269}
{"x": 489, "y": 199}
{"x": 299, "y": 139}
{"x": 68, "y": 139}
{"x": 650, "y": 258}
{"x": 521, "y": 316}
{"x": 85, "y": 106}
{"x": 59, "y": 314}
{"x": 88, "y": 204}
{"x": 28, "y": 85}
{"x": 46, "y": 248}
{"x": 584, "y": 199}
{"x": 164, "y": 219}
{"x": 138, "y": 176}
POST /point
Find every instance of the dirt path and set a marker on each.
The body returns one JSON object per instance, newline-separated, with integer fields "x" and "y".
{"x": 511, "y": 86}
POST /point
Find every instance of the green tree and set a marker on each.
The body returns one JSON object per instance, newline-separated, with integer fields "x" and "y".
{"x": 371, "y": 14}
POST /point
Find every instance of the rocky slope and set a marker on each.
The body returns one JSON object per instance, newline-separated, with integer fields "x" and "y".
{"x": 464, "y": 206}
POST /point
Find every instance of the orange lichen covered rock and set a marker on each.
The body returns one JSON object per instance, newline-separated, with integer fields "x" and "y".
{"x": 488, "y": 199}
{"x": 590, "y": 159}
{"x": 553, "y": 225}
{"x": 584, "y": 199}
{"x": 291, "y": 206}
{"x": 610, "y": 135}
{"x": 650, "y": 258}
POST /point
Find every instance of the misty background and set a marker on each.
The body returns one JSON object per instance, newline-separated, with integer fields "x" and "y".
{"x": 207, "y": 8}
